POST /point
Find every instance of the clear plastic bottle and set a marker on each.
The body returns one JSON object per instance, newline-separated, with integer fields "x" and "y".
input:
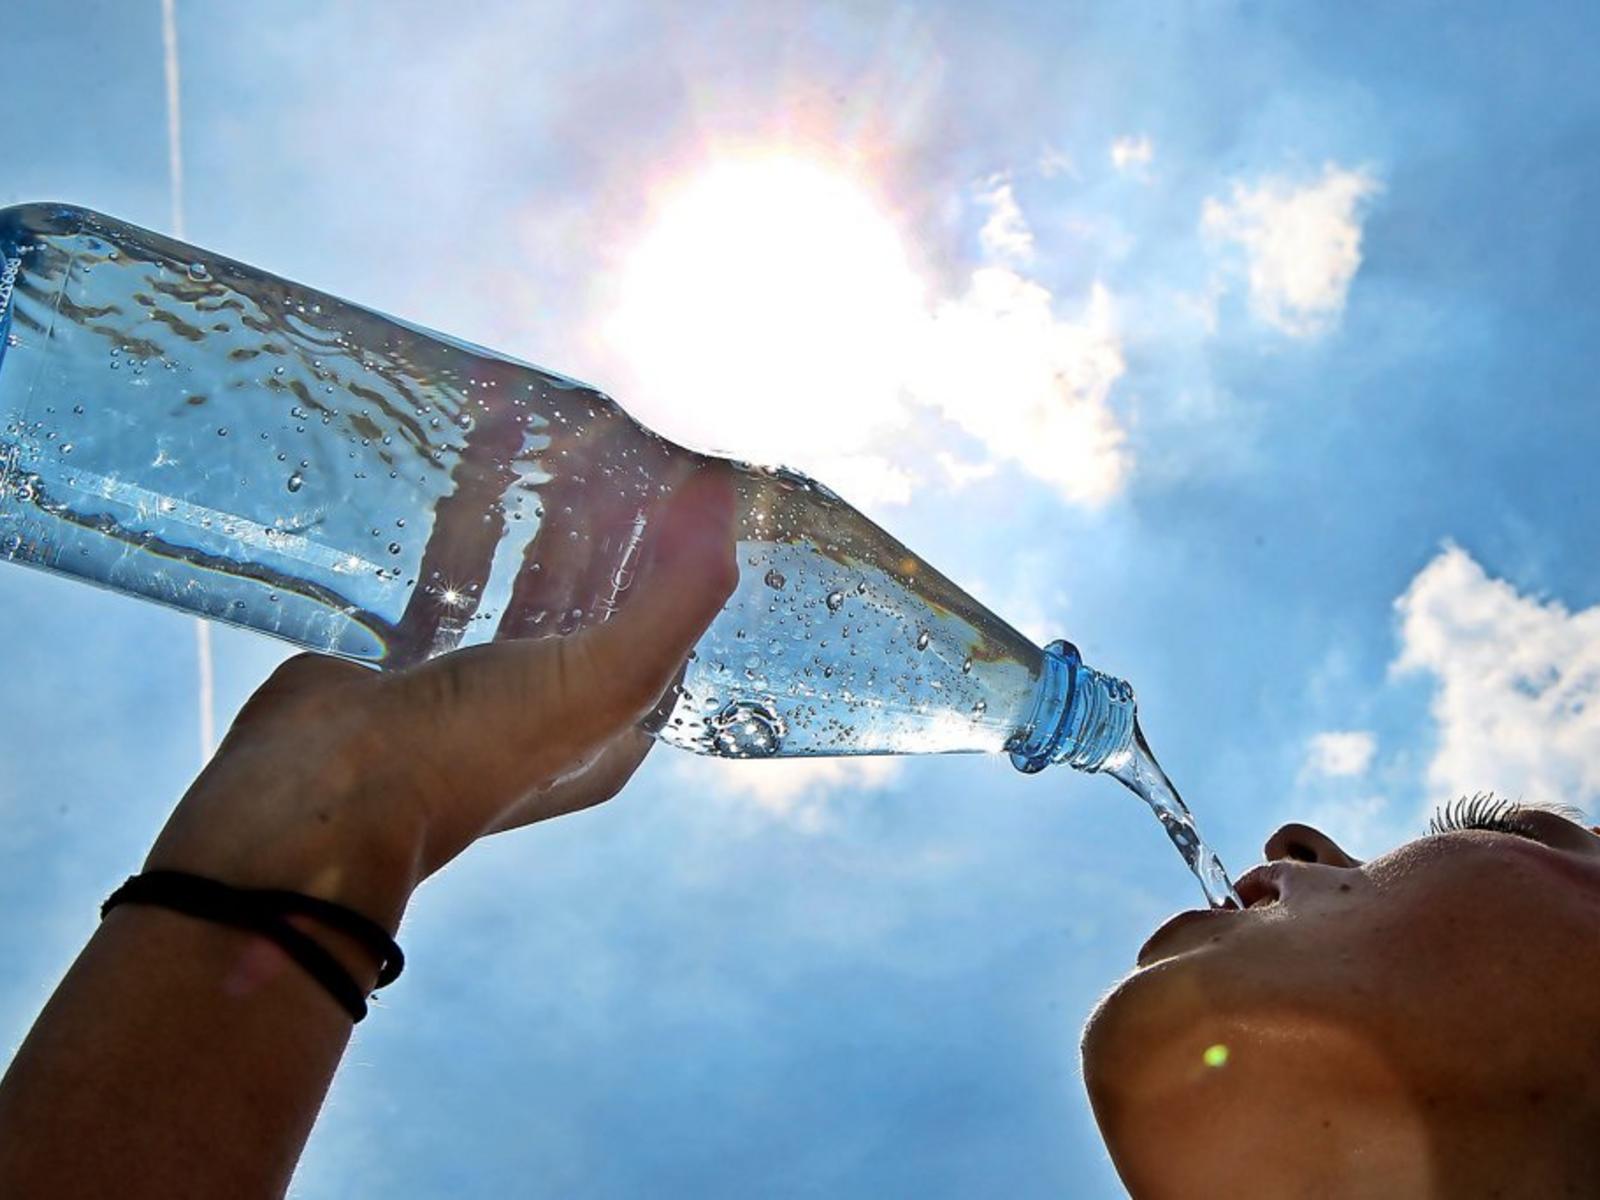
{"x": 183, "y": 427}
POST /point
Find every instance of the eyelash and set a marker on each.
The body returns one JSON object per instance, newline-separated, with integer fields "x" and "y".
{"x": 1479, "y": 812}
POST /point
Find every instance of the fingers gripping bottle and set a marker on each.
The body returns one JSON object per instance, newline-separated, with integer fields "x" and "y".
{"x": 182, "y": 427}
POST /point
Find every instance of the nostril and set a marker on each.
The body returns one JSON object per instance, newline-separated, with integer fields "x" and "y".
{"x": 1300, "y": 852}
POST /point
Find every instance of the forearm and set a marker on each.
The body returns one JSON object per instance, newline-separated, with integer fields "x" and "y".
{"x": 179, "y": 1057}
{"x": 185, "y": 1057}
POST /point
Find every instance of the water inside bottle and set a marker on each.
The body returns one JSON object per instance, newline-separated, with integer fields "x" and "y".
{"x": 181, "y": 426}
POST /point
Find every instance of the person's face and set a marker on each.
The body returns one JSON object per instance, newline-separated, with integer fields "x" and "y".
{"x": 1354, "y": 1008}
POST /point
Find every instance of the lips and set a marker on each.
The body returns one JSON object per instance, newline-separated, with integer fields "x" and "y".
{"x": 1264, "y": 884}
{"x": 1258, "y": 887}
{"x": 1170, "y": 937}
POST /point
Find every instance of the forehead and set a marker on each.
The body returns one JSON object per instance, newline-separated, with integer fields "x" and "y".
{"x": 1560, "y": 859}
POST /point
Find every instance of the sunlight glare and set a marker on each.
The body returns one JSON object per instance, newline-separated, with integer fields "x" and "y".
{"x": 768, "y": 313}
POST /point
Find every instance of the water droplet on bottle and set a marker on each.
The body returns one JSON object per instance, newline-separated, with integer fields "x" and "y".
{"x": 746, "y": 729}
{"x": 78, "y": 409}
{"x": 775, "y": 580}
{"x": 198, "y": 272}
{"x": 923, "y": 640}
{"x": 277, "y": 370}
{"x": 222, "y": 431}
{"x": 966, "y": 667}
{"x": 394, "y": 547}
{"x": 66, "y": 447}
{"x": 981, "y": 707}
{"x": 295, "y": 482}
{"x": 835, "y": 601}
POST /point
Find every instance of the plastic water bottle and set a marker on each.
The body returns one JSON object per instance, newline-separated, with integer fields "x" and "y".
{"x": 179, "y": 426}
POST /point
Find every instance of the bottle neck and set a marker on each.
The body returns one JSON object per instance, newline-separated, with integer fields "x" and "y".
{"x": 1080, "y": 717}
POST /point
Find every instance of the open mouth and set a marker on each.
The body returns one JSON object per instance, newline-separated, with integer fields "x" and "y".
{"x": 1260, "y": 886}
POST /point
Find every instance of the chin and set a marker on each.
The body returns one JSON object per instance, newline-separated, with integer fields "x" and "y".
{"x": 1155, "y": 1034}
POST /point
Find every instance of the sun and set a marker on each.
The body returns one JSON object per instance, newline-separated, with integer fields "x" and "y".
{"x": 768, "y": 312}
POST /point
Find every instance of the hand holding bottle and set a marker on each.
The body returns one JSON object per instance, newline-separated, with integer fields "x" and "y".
{"x": 356, "y": 785}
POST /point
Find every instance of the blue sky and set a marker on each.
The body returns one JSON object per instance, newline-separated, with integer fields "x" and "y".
{"x": 1261, "y": 357}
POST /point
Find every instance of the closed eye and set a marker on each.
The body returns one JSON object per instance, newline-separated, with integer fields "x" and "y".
{"x": 1482, "y": 811}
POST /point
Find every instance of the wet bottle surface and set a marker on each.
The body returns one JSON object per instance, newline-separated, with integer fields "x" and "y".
{"x": 186, "y": 428}
{"x": 180, "y": 426}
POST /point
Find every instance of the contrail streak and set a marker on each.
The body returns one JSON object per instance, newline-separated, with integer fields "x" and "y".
{"x": 169, "y": 46}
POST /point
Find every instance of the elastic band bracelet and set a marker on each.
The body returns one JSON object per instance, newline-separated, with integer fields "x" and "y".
{"x": 262, "y": 911}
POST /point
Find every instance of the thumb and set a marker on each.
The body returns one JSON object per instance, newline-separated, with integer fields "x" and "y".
{"x": 690, "y": 571}
{"x": 531, "y": 710}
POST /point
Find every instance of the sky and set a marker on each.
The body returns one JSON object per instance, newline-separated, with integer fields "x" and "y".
{"x": 1251, "y": 346}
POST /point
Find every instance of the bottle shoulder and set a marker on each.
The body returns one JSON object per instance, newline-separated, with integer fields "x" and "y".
{"x": 46, "y": 218}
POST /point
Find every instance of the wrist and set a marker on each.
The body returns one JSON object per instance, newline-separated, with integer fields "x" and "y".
{"x": 322, "y": 832}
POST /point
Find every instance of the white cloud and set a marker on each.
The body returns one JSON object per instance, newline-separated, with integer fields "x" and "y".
{"x": 1131, "y": 153}
{"x": 796, "y": 791}
{"x": 1031, "y": 386}
{"x": 1340, "y": 753}
{"x": 1005, "y": 235}
{"x": 1054, "y": 161}
{"x": 1517, "y": 684}
{"x": 868, "y": 481}
{"x": 961, "y": 473}
{"x": 1302, "y": 244}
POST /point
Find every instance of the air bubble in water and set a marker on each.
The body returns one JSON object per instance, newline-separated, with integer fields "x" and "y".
{"x": 775, "y": 580}
{"x": 296, "y": 481}
{"x": 966, "y": 667}
{"x": 922, "y": 640}
{"x": 835, "y": 601}
{"x": 746, "y": 729}
{"x": 198, "y": 272}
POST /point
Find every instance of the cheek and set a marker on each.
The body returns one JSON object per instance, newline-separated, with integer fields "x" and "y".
{"x": 1468, "y": 971}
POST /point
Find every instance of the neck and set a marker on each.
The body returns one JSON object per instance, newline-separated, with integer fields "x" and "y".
{"x": 1519, "y": 1145}
{"x": 1367, "y": 1143}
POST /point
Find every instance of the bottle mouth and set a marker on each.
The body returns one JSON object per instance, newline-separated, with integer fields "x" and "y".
{"x": 1081, "y": 717}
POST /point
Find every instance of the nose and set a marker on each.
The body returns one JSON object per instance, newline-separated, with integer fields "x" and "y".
{"x": 1302, "y": 843}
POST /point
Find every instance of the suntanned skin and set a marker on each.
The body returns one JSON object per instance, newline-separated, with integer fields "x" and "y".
{"x": 1424, "y": 1024}
{"x": 180, "y": 1057}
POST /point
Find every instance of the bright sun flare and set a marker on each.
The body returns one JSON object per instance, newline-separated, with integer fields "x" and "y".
{"x": 768, "y": 312}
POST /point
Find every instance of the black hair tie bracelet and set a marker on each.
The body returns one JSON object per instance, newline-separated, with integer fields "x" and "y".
{"x": 262, "y": 911}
